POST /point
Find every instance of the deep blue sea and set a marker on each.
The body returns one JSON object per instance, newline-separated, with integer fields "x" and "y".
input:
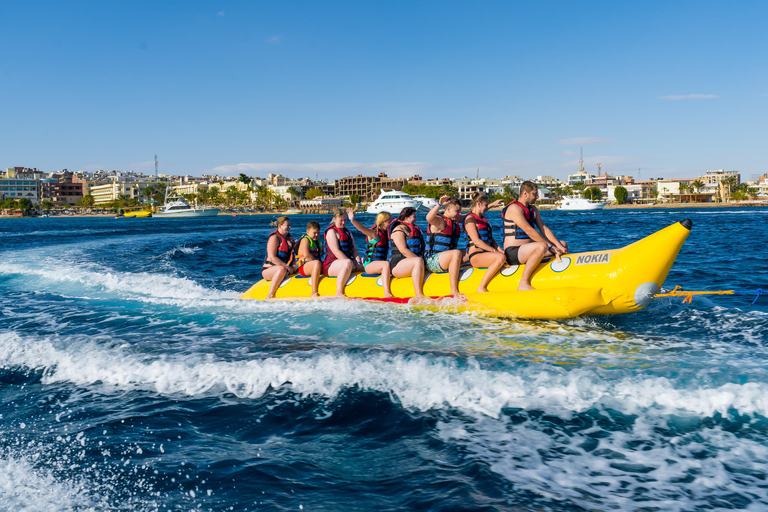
{"x": 133, "y": 378}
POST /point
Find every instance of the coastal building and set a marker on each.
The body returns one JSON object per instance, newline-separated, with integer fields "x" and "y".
{"x": 368, "y": 186}
{"x": 20, "y": 188}
{"x": 108, "y": 192}
{"x": 720, "y": 182}
{"x": 762, "y": 187}
{"x": 62, "y": 188}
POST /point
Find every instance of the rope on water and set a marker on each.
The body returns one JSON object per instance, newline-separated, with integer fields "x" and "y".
{"x": 688, "y": 295}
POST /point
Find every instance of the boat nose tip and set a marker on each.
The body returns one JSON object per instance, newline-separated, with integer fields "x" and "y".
{"x": 687, "y": 224}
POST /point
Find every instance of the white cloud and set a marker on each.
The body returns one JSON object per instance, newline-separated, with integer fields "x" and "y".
{"x": 689, "y": 97}
{"x": 274, "y": 39}
{"x": 142, "y": 166}
{"x": 583, "y": 140}
{"x": 569, "y": 153}
{"x": 220, "y": 13}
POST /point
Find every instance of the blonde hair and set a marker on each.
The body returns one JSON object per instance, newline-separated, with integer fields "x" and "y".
{"x": 477, "y": 199}
{"x": 279, "y": 222}
{"x": 382, "y": 218}
{"x": 339, "y": 213}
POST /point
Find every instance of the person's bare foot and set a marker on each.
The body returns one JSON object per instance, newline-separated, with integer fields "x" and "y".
{"x": 460, "y": 296}
{"x": 389, "y": 296}
{"x": 315, "y": 295}
{"x": 339, "y": 296}
{"x": 482, "y": 290}
{"x": 525, "y": 287}
{"x": 417, "y": 299}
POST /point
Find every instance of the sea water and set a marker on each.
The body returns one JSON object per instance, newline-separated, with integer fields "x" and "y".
{"x": 132, "y": 377}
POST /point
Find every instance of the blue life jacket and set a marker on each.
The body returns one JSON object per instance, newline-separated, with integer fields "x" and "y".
{"x": 377, "y": 248}
{"x": 445, "y": 240}
{"x": 512, "y": 229}
{"x": 284, "y": 250}
{"x": 345, "y": 242}
{"x": 484, "y": 230}
{"x": 414, "y": 240}
{"x": 315, "y": 248}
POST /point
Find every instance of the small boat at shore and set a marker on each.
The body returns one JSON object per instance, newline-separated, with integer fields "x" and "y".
{"x": 601, "y": 282}
{"x": 133, "y": 213}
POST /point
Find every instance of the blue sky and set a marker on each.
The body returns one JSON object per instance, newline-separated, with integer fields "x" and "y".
{"x": 340, "y": 88}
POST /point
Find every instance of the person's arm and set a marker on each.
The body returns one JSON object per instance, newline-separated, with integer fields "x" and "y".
{"x": 357, "y": 259}
{"x": 333, "y": 245}
{"x": 398, "y": 236}
{"x": 304, "y": 250}
{"x": 272, "y": 246}
{"x": 433, "y": 219}
{"x": 557, "y": 246}
{"x": 496, "y": 203}
{"x": 364, "y": 230}
{"x": 519, "y": 219}
{"x": 471, "y": 228}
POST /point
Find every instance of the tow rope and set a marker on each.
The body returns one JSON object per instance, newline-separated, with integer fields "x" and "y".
{"x": 688, "y": 295}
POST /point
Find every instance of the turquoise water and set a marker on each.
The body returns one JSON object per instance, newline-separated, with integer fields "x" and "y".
{"x": 133, "y": 378}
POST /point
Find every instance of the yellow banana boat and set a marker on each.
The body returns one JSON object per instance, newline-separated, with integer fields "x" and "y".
{"x": 590, "y": 283}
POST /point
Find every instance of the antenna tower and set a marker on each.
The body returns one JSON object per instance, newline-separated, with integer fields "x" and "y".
{"x": 599, "y": 168}
{"x": 477, "y": 175}
{"x": 155, "y": 166}
{"x": 581, "y": 160}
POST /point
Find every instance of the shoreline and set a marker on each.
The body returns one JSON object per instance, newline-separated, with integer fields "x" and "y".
{"x": 548, "y": 207}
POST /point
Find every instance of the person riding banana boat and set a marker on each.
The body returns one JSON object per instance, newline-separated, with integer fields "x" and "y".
{"x": 482, "y": 249}
{"x": 407, "y": 250}
{"x": 444, "y": 235}
{"x": 376, "y": 252}
{"x": 280, "y": 257}
{"x": 522, "y": 242}
{"x": 308, "y": 251}
{"x": 341, "y": 256}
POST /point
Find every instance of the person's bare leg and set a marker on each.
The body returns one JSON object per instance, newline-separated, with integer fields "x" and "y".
{"x": 452, "y": 261}
{"x": 381, "y": 267}
{"x": 493, "y": 261}
{"x": 314, "y": 267}
{"x": 275, "y": 276}
{"x": 531, "y": 255}
{"x": 413, "y": 267}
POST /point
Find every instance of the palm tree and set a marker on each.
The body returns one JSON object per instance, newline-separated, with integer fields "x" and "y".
{"x": 231, "y": 194}
{"x": 729, "y": 183}
{"x": 698, "y": 184}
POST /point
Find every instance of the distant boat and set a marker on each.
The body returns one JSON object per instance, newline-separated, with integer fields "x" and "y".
{"x": 132, "y": 213}
{"x": 179, "y": 207}
{"x": 293, "y": 211}
{"x": 392, "y": 201}
{"x": 579, "y": 203}
{"x": 427, "y": 203}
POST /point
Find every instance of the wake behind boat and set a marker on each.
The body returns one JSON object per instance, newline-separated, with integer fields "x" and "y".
{"x": 592, "y": 283}
{"x": 393, "y": 201}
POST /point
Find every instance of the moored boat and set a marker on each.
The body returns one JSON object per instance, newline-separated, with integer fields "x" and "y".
{"x": 579, "y": 203}
{"x": 392, "y": 201}
{"x": 591, "y": 283}
{"x": 425, "y": 203}
{"x": 178, "y": 207}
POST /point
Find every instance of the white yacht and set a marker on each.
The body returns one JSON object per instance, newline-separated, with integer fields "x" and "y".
{"x": 579, "y": 203}
{"x": 175, "y": 207}
{"x": 427, "y": 203}
{"x": 392, "y": 201}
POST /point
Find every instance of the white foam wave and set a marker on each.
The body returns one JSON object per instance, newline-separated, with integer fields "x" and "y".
{"x": 138, "y": 284}
{"x": 640, "y": 467}
{"x": 24, "y": 485}
{"x": 419, "y": 382}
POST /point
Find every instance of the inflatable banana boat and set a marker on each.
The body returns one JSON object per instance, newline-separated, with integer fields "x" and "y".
{"x": 591, "y": 283}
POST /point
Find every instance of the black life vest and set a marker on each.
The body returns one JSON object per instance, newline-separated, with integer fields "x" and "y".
{"x": 284, "y": 250}
{"x": 414, "y": 240}
{"x": 378, "y": 248}
{"x": 315, "y": 248}
{"x": 484, "y": 230}
{"x": 512, "y": 229}
{"x": 345, "y": 241}
{"x": 447, "y": 239}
